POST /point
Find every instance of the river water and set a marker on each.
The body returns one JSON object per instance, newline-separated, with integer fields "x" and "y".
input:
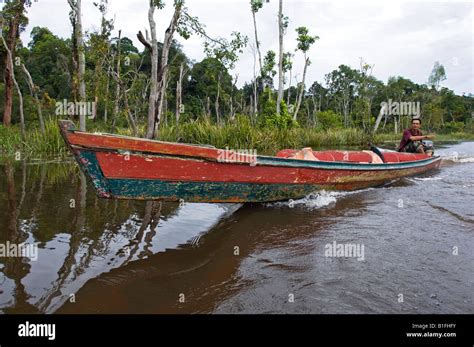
{"x": 404, "y": 248}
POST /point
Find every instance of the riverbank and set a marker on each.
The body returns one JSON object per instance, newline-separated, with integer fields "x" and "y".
{"x": 239, "y": 134}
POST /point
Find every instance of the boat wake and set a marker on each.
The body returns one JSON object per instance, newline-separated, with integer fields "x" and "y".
{"x": 434, "y": 178}
{"x": 456, "y": 157}
{"x": 316, "y": 200}
{"x": 466, "y": 160}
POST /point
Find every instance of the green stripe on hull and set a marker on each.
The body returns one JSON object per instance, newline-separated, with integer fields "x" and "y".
{"x": 207, "y": 191}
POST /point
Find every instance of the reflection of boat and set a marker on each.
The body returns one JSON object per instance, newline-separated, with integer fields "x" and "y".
{"x": 132, "y": 168}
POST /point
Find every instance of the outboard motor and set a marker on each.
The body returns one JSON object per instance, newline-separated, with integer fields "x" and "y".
{"x": 428, "y": 146}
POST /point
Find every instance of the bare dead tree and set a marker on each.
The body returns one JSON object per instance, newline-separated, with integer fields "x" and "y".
{"x": 153, "y": 48}
{"x": 179, "y": 89}
{"x": 12, "y": 75}
{"x": 117, "y": 87}
{"x": 130, "y": 118}
{"x": 302, "y": 88}
{"x": 280, "y": 55}
{"x": 14, "y": 27}
{"x": 216, "y": 104}
{"x": 81, "y": 60}
{"x": 232, "y": 111}
{"x": 34, "y": 94}
{"x": 163, "y": 70}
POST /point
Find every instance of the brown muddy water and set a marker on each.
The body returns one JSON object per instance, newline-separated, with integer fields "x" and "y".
{"x": 412, "y": 249}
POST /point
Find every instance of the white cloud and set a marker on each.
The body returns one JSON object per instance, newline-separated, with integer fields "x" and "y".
{"x": 399, "y": 38}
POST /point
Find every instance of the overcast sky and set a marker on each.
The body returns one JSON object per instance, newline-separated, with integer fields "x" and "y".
{"x": 398, "y": 37}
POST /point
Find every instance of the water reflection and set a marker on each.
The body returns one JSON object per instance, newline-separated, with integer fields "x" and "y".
{"x": 15, "y": 268}
{"x": 199, "y": 279}
{"x": 80, "y": 236}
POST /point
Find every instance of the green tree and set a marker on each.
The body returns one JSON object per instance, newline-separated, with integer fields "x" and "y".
{"x": 400, "y": 89}
{"x": 268, "y": 118}
{"x": 203, "y": 85}
{"x": 288, "y": 67}
{"x": 437, "y": 75}
{"x": 268, "y": 71}
{"x": 227, "y": 54}
{"x": 48, "y": 61}
{"x": 305, "y": 41}
{"x": 329, "y": 120}
{"x": 342, "y": 85}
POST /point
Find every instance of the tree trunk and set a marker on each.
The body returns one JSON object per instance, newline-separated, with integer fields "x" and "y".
{"x": 12, "y": 36}
{"x": 20, "y": 99}
{"x": 163, "y": 71}
{"x": 165, "y": 105}
{"x": 280, "y": 56}
{"x": 256, "y": 41}
{"x": 20, "y": 96}
{"x": 315, "y": 110}
{"x": 81, "y": 64}
{"x": 382, "y": 112}
{"x": 255, "y": 104}
{"x": 232, "y": 112}
{"x": 178, "y": 102}
{"x": 131, "y": 119}
{"x": 74, "y": 84}
{"x": 302, "y": 88}
{"x": 251, "y": 104}
{"x": 216, "y": 105}
{"x": 178, "y": 92}
{"x": 106, "y": 98}
{"x": 7, "y": 113}
{"x": 153, "y": 48}
{"x": 98, "y": 77}
{"x": 117, "y": 87}
{"x": 34, "y": 93}
{"x": 308, "y": 113}
{"x": 345, "y": 107}
{"x": 289, "y": 92}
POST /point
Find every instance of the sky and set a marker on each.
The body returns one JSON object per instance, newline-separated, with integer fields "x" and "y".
{"x": 399, "y": 38}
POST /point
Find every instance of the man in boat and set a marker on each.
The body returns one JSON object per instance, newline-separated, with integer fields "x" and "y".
{"x": 412, "y": 138}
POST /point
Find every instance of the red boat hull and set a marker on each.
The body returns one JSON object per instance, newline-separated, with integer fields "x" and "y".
{"x": 129, "y": 168}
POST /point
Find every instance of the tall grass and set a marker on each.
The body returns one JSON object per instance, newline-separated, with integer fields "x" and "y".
{"x": 36, "y": 144}
{"x": 241, "y": 134}
{"x": 237, "y": 134}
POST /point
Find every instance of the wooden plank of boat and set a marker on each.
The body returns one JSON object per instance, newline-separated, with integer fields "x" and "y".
{"x": 130, "y": 168}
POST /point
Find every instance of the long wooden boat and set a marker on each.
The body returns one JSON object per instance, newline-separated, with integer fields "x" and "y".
{"x": 124, "y": 167}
